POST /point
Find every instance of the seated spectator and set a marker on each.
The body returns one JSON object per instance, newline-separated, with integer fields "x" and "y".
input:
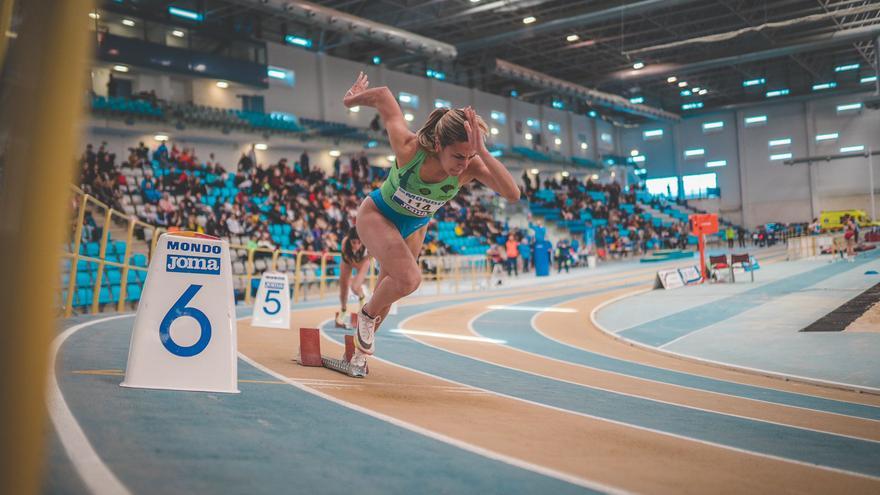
{"x": 165, "y": 204}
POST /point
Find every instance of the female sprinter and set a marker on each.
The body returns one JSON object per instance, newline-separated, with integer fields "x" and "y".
{"x": 354, "y": 257}
{"x": 431, "y": 166}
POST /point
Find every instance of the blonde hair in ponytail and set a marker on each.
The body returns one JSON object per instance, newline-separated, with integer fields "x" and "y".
{"x": 446, "y": 126}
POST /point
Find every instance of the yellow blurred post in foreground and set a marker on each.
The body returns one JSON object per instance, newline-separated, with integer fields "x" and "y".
{"x": 42, "y": 91}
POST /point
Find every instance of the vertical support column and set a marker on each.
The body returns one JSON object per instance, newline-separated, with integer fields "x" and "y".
{"x": 871, "y": 181}
{"x": 570, "y": 143}
{"x": 510, "y": 123}
{"x": 743, "y": 176}
{"x": 163, "y": 89}
{"x": 42, "y": 91}
{"x": 594, "y": 128}
{"x": 321, "y": 72}
{"x": 738, "y": 162}
{"x": 877, "y": 65}
{"x": 431, "y": 94}
{"x": 809, "y": 131}
{"x": 678, "y": 157}
{"x": 540, "y": 128}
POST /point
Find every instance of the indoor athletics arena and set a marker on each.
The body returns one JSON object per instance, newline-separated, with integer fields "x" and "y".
{"x": 439, "y": 246}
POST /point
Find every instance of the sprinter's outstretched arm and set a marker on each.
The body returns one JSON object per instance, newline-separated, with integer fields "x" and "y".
{"x": 381, "y": 98}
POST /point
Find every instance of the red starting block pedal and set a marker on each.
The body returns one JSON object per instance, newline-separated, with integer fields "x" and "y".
{"x": 310, "y": 347}
{"x": 310, "y": 352}
{"x": 349, "y": 348}
{"x": 354, "y": 320}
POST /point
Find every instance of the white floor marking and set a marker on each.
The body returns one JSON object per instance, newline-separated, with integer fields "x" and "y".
{"x": 723, "y": 394}
{"x": 621, "y": 423}
{"x": 97, "y": 477}
{"x": 532, "y": 308}
{"x": 688, "y": 357}
{"x": 437, "y": 436}
{"x": 440, "y": 335}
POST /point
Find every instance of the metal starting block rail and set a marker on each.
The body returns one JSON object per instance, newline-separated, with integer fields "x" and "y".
{"x": 310, "y": 352}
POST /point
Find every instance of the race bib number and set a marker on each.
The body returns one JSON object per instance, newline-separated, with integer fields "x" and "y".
{"x": 415, "y": 204}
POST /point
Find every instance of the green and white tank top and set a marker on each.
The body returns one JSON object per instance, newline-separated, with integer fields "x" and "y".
{"x": 406, "y": 193}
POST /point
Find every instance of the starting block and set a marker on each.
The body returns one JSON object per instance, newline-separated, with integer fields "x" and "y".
{"x": 310, "y": 352}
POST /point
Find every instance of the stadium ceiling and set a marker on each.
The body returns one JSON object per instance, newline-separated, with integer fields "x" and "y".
{"x": 714, "y": 45}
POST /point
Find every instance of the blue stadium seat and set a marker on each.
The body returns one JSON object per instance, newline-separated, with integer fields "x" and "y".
{"x": 82, "y": 297}
{"x": 105, "y": 296}
{"x": 84, "y": 279}
{"x": 119, "y": 247}
{"x": 133, "y": 292}
{"x": 92, "y": 249}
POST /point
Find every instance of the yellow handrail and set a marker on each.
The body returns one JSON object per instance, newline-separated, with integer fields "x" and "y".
{"x": 446, "y": 268}
{"x": 84, "y": 201}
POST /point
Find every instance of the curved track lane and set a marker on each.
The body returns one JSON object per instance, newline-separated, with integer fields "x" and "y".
{"x": 557, "y": 407}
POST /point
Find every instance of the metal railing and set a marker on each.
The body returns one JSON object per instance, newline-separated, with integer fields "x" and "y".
{"x": 109, "y": 214}
{"x": 452, "y": 272}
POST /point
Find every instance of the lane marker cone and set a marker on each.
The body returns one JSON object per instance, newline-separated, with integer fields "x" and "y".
{"x": 185, "y": 334}
{"x": 272, "y": 305}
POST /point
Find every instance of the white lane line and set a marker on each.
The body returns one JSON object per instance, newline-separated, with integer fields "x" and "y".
{"x": 621, "y": 423}
{"x": 532, "y": 308}
{"x": 97, "y": 477}
{"x": 441, "y": 335}
{"x": 687, "y": 387}
{"x": 728, "y": 366}
{"x": 553, "y": 473}
{"x": 636, "y": 396}
{"x": 435, "y": 435}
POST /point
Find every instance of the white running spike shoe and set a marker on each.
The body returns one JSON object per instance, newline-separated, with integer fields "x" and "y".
{"x": 357, "y": 367}
{"x": 366, "y": 333}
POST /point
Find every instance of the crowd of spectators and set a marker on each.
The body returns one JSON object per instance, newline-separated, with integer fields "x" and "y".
{"x": 626, "y": 232}
{"x": 319, "y": 207}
